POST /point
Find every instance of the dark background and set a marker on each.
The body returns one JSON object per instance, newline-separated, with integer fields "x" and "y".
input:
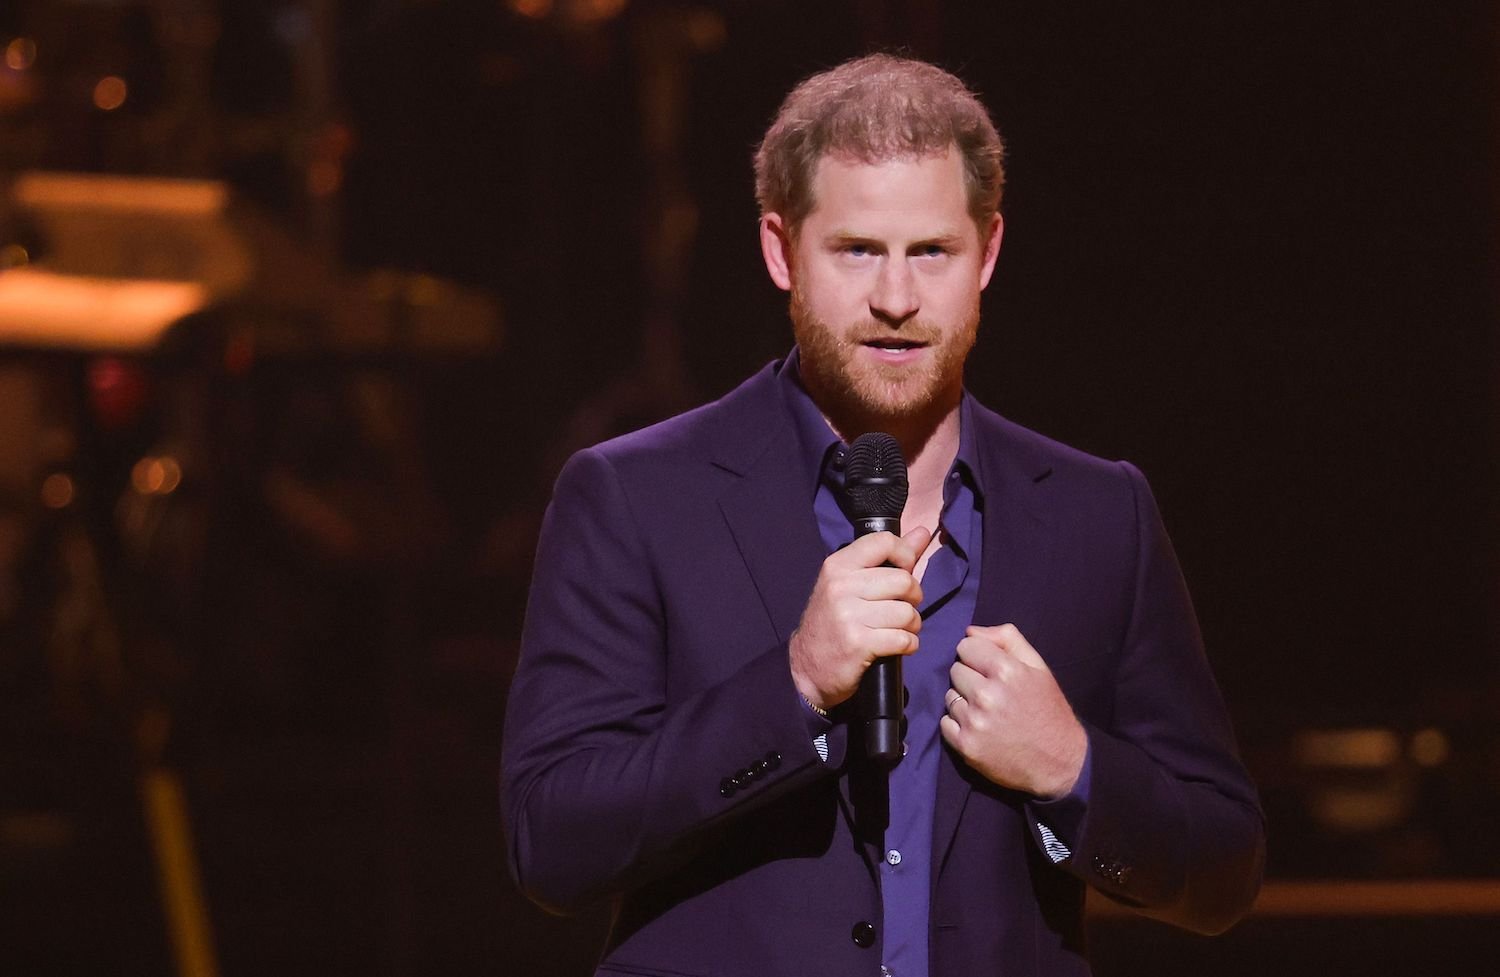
{"x": 1249, "y": 247}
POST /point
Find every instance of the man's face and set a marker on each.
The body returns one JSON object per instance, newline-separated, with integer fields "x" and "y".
{"x": 885, "y": 275}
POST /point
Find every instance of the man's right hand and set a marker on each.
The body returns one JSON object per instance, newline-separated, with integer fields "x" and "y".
{"x": 860, "y": 610}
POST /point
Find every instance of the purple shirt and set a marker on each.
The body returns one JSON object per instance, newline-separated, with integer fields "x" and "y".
{"x": 950, "y": 587}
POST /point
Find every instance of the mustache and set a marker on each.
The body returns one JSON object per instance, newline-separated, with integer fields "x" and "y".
{"x": 917, "y": 333}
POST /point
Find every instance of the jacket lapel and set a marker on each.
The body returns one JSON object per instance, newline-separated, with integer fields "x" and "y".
{"x": 769, "y": 508}
{"x": 769, "y": 511}
{"x": 1014, "y": 568}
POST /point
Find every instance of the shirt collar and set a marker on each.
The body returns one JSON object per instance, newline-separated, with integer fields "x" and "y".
{"x": 821, "y": 450}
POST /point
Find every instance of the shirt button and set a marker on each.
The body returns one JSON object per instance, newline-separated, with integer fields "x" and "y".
{"x": 893, "y": 857}
{"x": 886, "y": 971}
{"x": 863, "y": 934}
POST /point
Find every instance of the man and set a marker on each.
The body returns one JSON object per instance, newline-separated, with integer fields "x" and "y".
{"x": 679, "y": 731}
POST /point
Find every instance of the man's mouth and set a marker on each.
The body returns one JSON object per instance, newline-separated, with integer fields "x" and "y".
{"x": 894, "y": 344}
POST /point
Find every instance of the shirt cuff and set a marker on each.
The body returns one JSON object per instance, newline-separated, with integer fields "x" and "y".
{"x": 818, "y": 726}
{"x": 1060, "y": 821}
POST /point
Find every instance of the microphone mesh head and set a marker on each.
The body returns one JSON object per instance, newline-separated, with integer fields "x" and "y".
{"x": 875, "y": 476}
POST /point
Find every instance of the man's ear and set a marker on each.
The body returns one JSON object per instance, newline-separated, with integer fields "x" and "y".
{"x": 776, "y": 249}
{"x": 991, "y": 244}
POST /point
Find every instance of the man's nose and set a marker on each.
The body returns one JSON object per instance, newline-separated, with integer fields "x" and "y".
{"x": 894, "y": 298}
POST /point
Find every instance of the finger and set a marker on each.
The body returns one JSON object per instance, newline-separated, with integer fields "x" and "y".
{"x": 911, "y": 547}
{"x": 1009, "y": 638}
{"x": 885, "y": 642}
{"x": 888, "y": 583}
{"x": 980, "y": 654}
{"x": 895, "y": 614}
{"x": 964, "y": 680}
{"x": 873, "y": 550}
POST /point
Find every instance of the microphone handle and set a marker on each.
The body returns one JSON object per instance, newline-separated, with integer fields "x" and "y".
{"x": 882, "y": 691}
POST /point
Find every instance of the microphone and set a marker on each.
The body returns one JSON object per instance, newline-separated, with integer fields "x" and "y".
{"x": 875, "y": 484}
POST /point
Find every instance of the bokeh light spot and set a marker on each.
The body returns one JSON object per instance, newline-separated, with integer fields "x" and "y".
{"x": 110, "y": 93}
{"x": 20, "y": 54}
{"x": 57, "y": 491}
{"x": 534, "y": 9}
{"x": 156, "y": 475}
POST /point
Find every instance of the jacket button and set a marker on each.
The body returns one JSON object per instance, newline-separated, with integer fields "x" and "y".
{"x": 863, "y": 934}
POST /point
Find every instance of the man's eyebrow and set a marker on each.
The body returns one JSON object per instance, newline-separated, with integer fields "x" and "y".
{"x": 841, "y": 237}
{"x": 951, "y": 240}
{"x": 946, "y": 239}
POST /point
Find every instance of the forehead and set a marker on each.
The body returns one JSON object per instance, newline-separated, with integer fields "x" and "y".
{"x": 925, "y": 190}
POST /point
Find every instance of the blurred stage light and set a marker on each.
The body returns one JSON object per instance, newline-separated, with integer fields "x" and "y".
{"x": 324, "y": 178}
{"x": 594, "y": 11}
{"x": 1429, "y": 748}
{"x": 1348, "y": 748}
{"x": 110, "y": 93}
{"x": 533, "y": 9}
{"x": 156, "y": 475}
{"x": 572, "y": 13}
{"x": 57, "y": 491}
{"x": 40, "y": 308}
{"x": 20, "y": 54}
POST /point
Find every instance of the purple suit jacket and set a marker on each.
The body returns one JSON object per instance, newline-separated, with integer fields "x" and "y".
{"x": 674, "y": 564}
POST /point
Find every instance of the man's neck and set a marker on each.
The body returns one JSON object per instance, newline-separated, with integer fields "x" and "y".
{"x": 927, "y": 465}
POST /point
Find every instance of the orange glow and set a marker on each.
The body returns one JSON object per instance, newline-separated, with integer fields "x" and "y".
{"x": 92, "y": 191}
{"x": 1429, "y": 748}
{"x": 57, "y": 491}
{"x": 535, "y": 9}
{"x": 156, "y": 476}
{"x": 1313, "y": 898}
{"x": 39, "y": 308}
{"x": 338, "y": 140}
{"x": 595, "y": 11}
{"x": 14, "y": 256}
{"x": 1370, "y": 749}
{"x": 110, "y": 93}
{"x": 20, "y": 54}
{"x": 324, "y": 178}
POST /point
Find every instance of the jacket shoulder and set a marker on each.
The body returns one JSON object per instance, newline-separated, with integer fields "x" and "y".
{"x": 1039, "y": 455}
{"x": 721, "y": 429}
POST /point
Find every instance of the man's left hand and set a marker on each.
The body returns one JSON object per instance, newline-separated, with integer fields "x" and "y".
{"x": 1007, "y": 717}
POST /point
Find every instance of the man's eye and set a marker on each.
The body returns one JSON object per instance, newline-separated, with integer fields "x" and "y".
{"x": 932, "y": 251}
{"x": 857, "y": 250}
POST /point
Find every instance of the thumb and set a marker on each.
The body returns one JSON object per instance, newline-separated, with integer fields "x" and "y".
{"x": 909, "y": 551}
{"x": 918, "y": 539}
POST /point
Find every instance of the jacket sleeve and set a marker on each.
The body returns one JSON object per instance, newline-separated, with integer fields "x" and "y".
{"x": 608, "y": 777}
{"x": 1173, "y": 826}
